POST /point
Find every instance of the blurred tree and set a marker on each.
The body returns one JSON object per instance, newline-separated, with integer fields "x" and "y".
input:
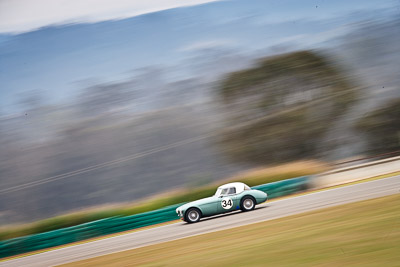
{"x": 104, "y": 97}
{"x": 286, "y": 104}
{"x": 382, "y": 128}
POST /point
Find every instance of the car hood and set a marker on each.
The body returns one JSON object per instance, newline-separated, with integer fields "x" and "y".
{"x": 199, "y": 202}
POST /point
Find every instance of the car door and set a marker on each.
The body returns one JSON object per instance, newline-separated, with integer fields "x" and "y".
{"x": 228, "y": 201}
{"x": 210, "y": 207}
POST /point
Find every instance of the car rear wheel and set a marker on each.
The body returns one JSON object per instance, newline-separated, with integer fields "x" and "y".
{"x": 248, "y": 203}
{"x": 192, "y": 215}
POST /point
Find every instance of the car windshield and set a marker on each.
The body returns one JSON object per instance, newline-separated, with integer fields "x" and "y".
{"x": 225, "y": 191}
{"x": 221, "y": 192}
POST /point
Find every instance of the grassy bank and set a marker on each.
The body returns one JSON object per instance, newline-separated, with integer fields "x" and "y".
{"x": 365, "y": 233}
{"x": 254, "y": 177}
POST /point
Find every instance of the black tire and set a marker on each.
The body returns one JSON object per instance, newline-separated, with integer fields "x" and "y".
{"x": 192, "y": 215}
{"x": 247, "y": 203}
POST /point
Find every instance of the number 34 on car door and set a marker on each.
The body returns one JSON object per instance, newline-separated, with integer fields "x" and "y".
{"x": 227, "y": 203}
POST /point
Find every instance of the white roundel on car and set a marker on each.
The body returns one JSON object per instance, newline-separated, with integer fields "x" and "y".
{"x": 226, "y": 203}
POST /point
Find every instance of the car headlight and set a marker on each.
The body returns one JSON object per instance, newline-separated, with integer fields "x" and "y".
{"x": 179, "y": 211}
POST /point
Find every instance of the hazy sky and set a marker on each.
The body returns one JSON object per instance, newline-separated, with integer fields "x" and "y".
{"x": 26, "y": 15}
{"x": 51, "y": 46}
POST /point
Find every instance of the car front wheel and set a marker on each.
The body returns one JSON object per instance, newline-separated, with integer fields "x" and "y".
{"x": 247, "y": 204}
{"x": 192, "y": 215}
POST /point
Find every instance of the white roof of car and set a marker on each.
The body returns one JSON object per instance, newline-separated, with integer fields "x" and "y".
{"x": 239, "y": 186}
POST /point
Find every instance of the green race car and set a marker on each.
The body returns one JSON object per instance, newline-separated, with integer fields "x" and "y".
{"x": 229, "y": 197}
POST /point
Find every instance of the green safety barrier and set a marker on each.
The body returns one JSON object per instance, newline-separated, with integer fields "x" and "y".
{"x": 123, "y": 223}
{"x": 284, "y": 187}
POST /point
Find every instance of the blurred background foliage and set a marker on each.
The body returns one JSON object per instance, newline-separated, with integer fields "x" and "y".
{"x": 382, "y": 128}
{"x": 294, "y": 99}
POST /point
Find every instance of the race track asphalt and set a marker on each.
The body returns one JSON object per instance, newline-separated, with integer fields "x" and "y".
{"x": 264, "y": 212}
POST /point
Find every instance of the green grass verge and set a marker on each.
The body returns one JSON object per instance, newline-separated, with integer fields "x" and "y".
{"x": 255, "y": 177}
{"x": 365, "y": 233}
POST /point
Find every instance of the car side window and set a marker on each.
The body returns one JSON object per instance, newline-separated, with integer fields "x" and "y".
{"x": 232, "y": 191}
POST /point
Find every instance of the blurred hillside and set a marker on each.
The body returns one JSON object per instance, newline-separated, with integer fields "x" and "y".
{"x": 317, "y": 98}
